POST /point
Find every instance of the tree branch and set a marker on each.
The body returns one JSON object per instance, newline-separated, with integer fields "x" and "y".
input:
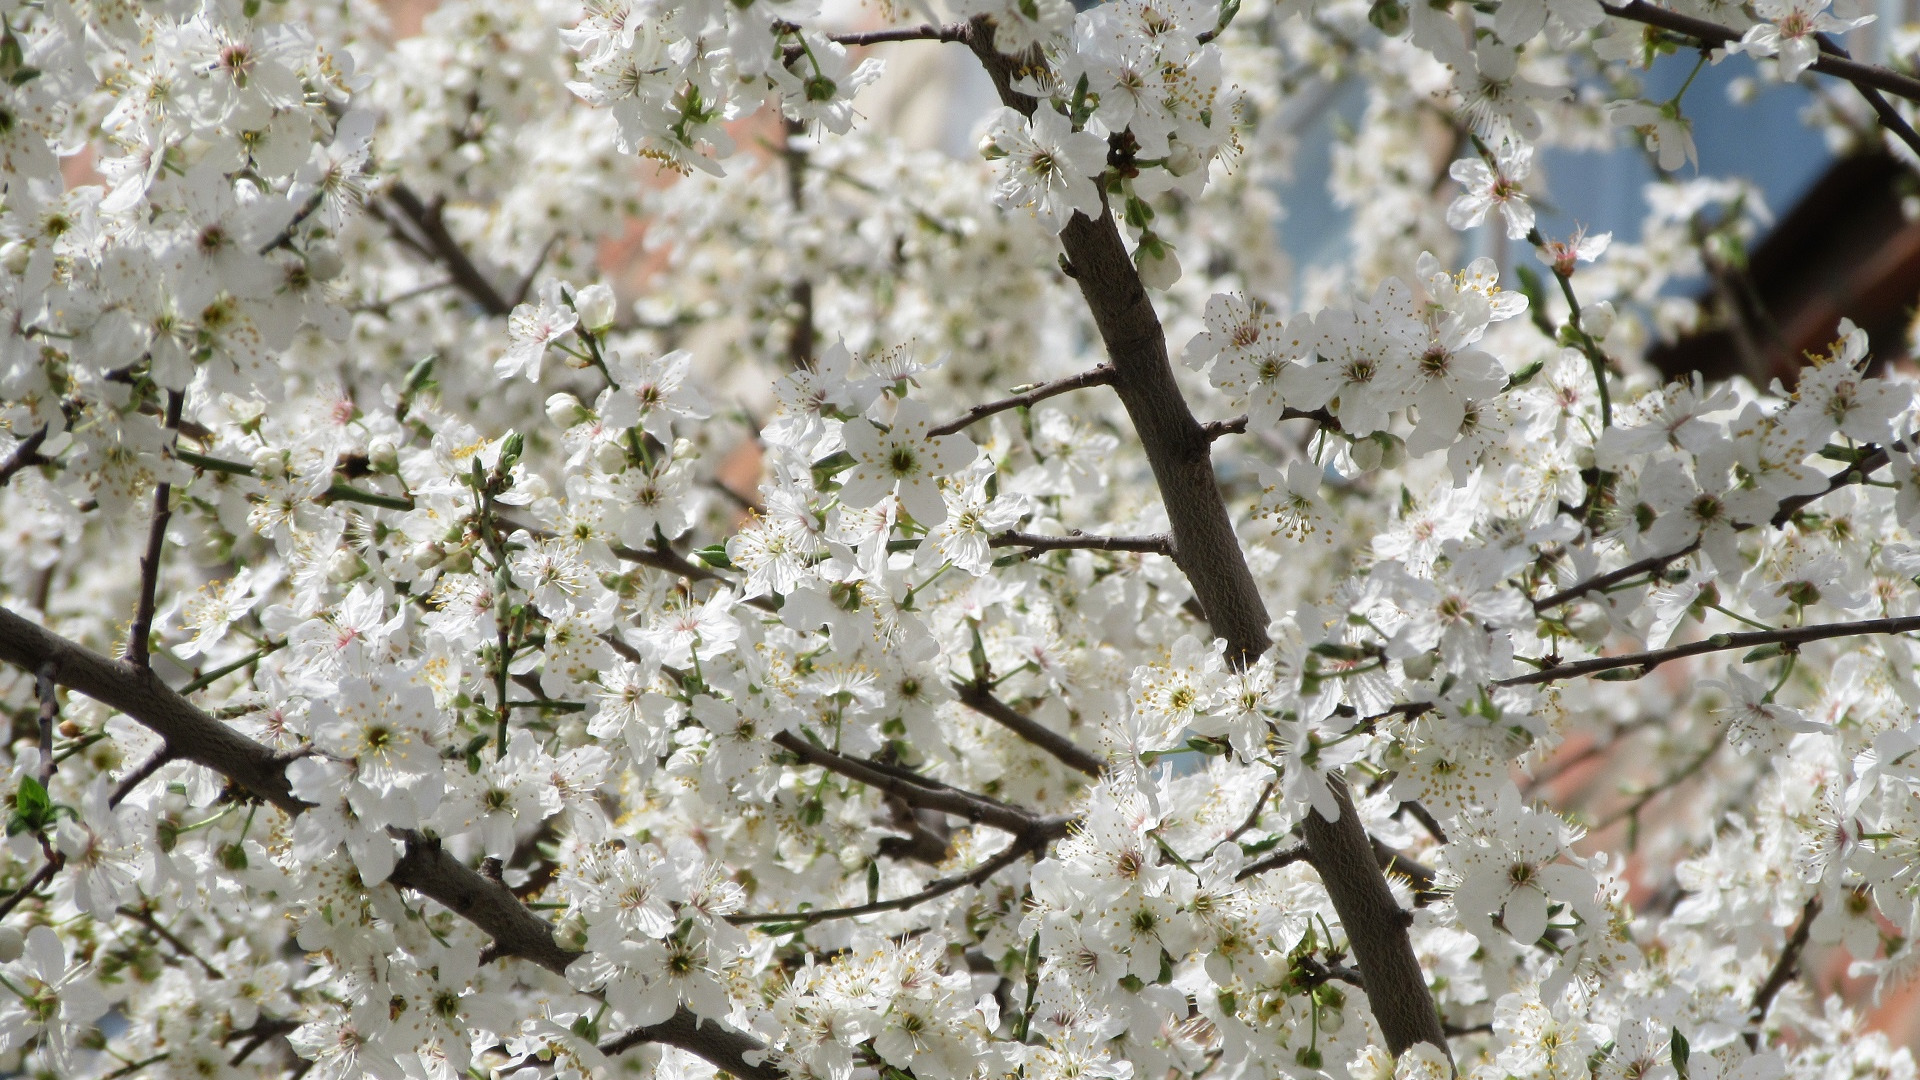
{"x": 1788, "y": 636}
{"x": 1207, "y": 550}
{"x": 981, "y": 700}
{"x": 25, "y": 453}
{"x": 1035, "y": 543}
{"x": 1785, "y": 970}
{"x": 1376, "y": 925}
{"x": 426, "y": 231}
{"x": 1033, "y": 395}
{"x": 949, "y": 33}
{"x": 728, "y": 1050}
{"x": 1022, "y": 845}
{"x": 34, "y": 884}
{"x": 425, "y": 868}
{"x": 1275, "y": 861}
{"x": 142, "y": 627}
{"x": 134, "y": 779}
{"x": 1712, "y": 33}
{"x": 145, "y": 918}
{"x": 1856, "y": 473}
{"x": 924, "y": 792}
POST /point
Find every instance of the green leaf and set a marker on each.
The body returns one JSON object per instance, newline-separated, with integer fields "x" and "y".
{"x": 715, "y": 555}
{"x": 1680, "y": 1051}
{"x": 31, "y": 800}
{"x": 1333, "y": 651}
{"x": 831, "y": 466}
{"x": 1764, "y": 652}
{"x": 1624, "y": 674}
{"x": 1228, "y": 9}
{"x": 1525, "y": 375}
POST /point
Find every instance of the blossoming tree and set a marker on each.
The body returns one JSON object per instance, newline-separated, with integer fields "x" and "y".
{"x": 946, "y": 620}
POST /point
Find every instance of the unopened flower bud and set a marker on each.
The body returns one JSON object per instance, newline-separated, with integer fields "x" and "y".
{"x": 1159, "y": 266}
{"x": 269, "y": 463}
{"x": 1597, "y": 319}
{"x": 565, "y": 410}
{"x": 1418, "y": 666}
{"x": 1366, "y": 454}
{"x": 382, "y": 456}
{"x": 1181, "y": 158}
{"x": 595, "y": 306}
{"x": 343, "y": 567}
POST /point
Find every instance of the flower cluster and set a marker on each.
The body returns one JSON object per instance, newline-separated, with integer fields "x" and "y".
{"x": 816, "y": 638}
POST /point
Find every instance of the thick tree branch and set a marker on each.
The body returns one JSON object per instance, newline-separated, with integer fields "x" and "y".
{"x": 1033, "y": 395}
{"x": 425, "y": 868}
{"x": 981, "y": 700}
{"x": 726, "y": 1049}
{"x": 1207, "y": 550}
{"x": 1375, "y": 923}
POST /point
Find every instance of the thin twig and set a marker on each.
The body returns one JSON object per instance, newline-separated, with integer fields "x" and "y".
{"x": 1218, "y": 429}
{"x": 1075, "y": 540}
{"x": 1275, "y": 861}
{"x": 144, "y": 917}
{"x": 156, "y": 542}
{"x": 522, "y": 290}
{"x": 139, "y": 776}
{"x": 39, "y": 878}
{"x": 285, "y": 236}
{"x": 422, "y": 227}
{"x": 1631, "y": 811}
{"x": 1883, "y": 109}
{"x": 1856, "y": 473}
{"x": 1253, "y": 815}
{"x": 1652, "y": 658}
{"x": 949, "y": 33}
{"x": 1021, "y": 845}
{"x": 26, "y": 453}
{"x": 1713, "y": 33}
{"x": 924, "y": 792}
{"x": 263, "y": 1029}
{"x": 1099, "y": 376}
{"x": 977, "y": 697}
{"x": 1785, "y": 970}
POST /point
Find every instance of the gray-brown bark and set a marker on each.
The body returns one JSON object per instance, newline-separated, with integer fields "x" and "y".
{"x": 426, "y": 868}
{"x": 1179, "y": 449}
